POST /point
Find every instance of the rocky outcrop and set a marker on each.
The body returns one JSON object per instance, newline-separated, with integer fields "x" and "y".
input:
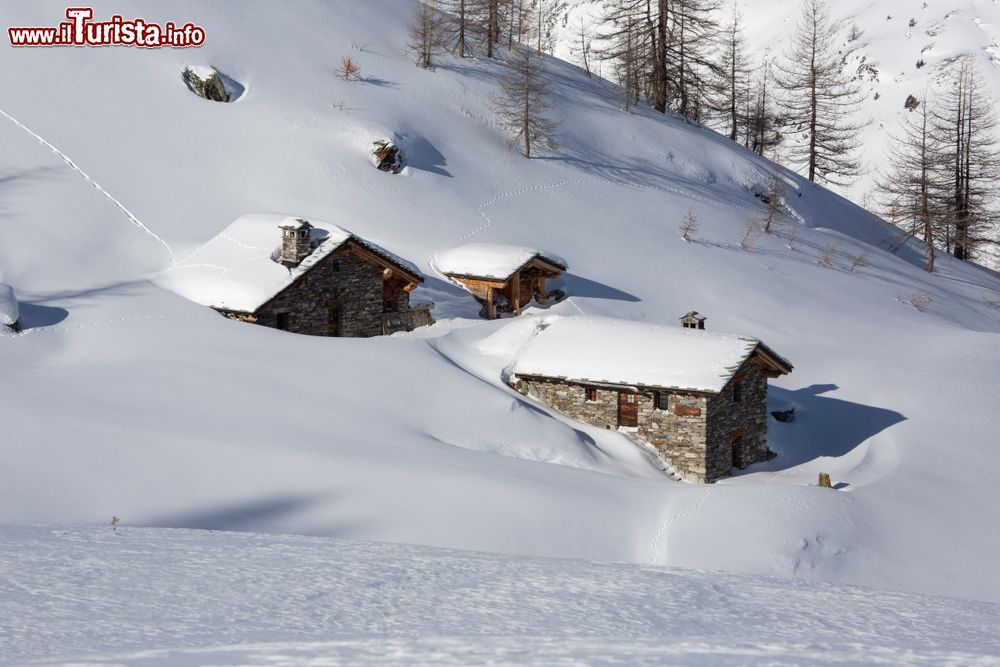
{"x": 206, "y": 82}
{"x": 386, "y": 156}
{"x": 8, "y": 308}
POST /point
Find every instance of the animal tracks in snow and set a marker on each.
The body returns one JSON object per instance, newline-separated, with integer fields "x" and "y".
{"x": 663, "y": 527}
{"x": 72, "y": 165}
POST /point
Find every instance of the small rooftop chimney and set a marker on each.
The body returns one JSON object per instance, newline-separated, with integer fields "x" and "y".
{"x": 296, "y": 243}
{"x": 693, "y": 321}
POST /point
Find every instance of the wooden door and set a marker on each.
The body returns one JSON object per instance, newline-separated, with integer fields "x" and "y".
{"x": 332, "y": 318}
{"x": 390, "y": 295}
{"x": 737, "y": 443}
{"x": 628, "y": 409}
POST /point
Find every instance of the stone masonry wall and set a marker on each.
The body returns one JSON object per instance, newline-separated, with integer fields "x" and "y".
{"x": 678, "y": 433}
{"x": 694, "y": 435}
{"x": 748, "y": 418}
{"x": 355, "y": 283}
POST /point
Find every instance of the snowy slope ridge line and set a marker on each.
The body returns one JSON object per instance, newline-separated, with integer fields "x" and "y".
{"x": 65, "y": 158}
{"x": 99, "y": 323}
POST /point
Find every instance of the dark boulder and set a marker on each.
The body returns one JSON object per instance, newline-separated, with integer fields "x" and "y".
{"x": 206, "y": 82}
{"x": 784, "y": 415}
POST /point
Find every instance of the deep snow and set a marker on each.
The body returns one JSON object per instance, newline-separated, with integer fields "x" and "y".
{"x": 179, "y": 597}
{"x": 122, "y": 398}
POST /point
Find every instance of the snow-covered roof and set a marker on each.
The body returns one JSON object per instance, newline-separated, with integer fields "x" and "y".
{"x": 491, "y": 260}
{"x": 237, "y": 270}
{"x": 611, "y": 351}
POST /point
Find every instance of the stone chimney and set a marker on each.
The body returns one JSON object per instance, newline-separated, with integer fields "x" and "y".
{"x": 693, "y": 321}
{"x": 296, "y": 243}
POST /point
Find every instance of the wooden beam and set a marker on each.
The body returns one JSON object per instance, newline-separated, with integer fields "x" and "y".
{"x": 378, "y": 260}
{"x": 515, "y": 300}
{"x": 491, "y": 312}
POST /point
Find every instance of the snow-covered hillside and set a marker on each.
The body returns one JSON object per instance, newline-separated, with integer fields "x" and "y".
{"x": 178, "y": 597}
{"x": 904, "y": 42}
{"x": 122, "y": 398}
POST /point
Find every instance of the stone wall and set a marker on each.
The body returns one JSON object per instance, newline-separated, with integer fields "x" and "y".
{"x": 344, "y": 277}
{"x": 746, "y": 419}
{"x": 694, "y": 435}
{"x": 678, "y": 433}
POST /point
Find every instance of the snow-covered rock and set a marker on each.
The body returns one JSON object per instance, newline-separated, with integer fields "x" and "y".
{"x": 386, "y": 156}
{"x": 206, "y": 82}
{"x": 9, "y": 315}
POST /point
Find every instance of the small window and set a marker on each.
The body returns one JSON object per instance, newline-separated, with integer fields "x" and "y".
{"x": 336, "y": 266}
{"x": 282, "y": 321}
{"x": 662, "y": 401}
{"x": 738, "y": 391}
{"x": 590, "y": 393}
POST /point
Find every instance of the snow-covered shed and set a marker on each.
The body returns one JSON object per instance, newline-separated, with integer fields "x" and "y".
{"x": 304, "y": 276}
{"x": 699, "y": 398}
{"x": 503, "y": 277}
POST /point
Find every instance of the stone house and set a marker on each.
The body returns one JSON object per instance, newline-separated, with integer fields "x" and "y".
{"x": 698, "y": 398}
{"x": 503, "y": 278}
{"x": 302, "y": 276}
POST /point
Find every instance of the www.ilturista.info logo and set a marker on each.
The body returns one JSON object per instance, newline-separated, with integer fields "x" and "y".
{"x": 79, "y": 30}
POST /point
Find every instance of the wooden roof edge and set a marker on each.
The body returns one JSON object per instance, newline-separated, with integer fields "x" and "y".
{"x": 548, "y": 260}
{"x": 772, "y": 359}
{"x": 370, "y": 252}
{"x": 505, "y": 280}
{"x": 486, "y": 279}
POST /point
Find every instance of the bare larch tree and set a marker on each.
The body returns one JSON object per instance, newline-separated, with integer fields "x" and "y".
{"x": 965, "y": 123}
{"x": 523, "y": 103}
{"x": 820, "y": 100}
{"x": 427, "y": 37}
{"x": 912, "y": 192}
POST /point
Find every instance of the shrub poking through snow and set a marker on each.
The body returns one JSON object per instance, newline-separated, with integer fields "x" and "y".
{"x": 862, "y": 260}
{"x": 772, "y": 199}
{"x": 348, "y": 69}
{"x": 8, "y": 308}
{"x": 751, "y": 234}
{"x": 387, "y": 156}
{"x": 829, "y": 254}
{"x": 824, "y": 480}
{"x": 918, "y": 300}
{"x": 689, "y": 226}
